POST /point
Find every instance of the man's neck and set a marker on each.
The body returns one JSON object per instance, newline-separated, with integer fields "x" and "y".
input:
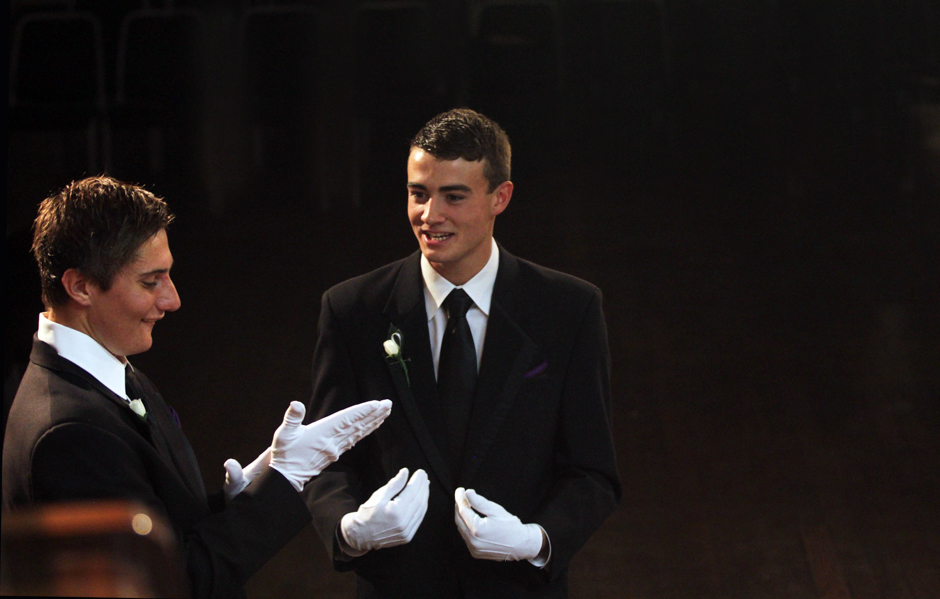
{"x": 75, "y": 319}
{"x": 458, "y": 274}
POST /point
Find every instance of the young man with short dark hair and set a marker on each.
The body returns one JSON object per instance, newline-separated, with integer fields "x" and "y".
{"x": 499, "y": 373}
{"x": 87, "y": 426}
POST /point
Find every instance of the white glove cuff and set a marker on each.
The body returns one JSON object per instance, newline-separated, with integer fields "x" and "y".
{"x": 540, "y": 560}
{"x": 531, "y": 545}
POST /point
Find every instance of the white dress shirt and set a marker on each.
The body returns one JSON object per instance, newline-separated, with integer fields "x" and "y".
{"x": 480, "y": 290}
{"x": 86, "y": 353}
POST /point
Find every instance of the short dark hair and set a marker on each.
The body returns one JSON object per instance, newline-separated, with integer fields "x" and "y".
{"x": 467, "y": 134}
{"x": 95, "y": 225}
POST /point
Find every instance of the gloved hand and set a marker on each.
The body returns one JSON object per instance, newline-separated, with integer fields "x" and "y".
{"x": 300, "y": 452}
{"x": 499, "y": 535}
{"x": 386, "y": 520}
{"x": 236, "y": 478}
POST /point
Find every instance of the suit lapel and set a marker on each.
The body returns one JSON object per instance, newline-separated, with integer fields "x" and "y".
{"x": 155, "y": 429}
{"x": 418, "y": 395}
{"x": 46, "y": 356}
{"x": 174, "y": 443}
{"x": 508, "y": 353}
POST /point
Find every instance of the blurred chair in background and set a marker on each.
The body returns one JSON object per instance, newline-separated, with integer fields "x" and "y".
{"x": 517, "y": 68}
{"x": 57, "y": 106}
{"x": 98, "y": 549}
{"x": 625, "y": 72}
{"x": 155, "y": 121}
{"x": 399, "y": 85}
{"x": 279, "y": 54}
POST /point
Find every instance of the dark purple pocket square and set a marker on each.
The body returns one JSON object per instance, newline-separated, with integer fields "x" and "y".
{"x": 537, "y": 370}
{"x": 176, "y": 416}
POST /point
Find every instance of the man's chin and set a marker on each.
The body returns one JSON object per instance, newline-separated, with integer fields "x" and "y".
{"x": 140, "y": 348}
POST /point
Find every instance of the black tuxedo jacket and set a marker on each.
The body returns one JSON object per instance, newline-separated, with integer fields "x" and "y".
{"x": 539, "y": 441}
{"x": 70, "y": 438}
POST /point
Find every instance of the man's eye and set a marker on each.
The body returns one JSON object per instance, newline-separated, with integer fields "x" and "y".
{"x": 149, "y": 284}
{"x": 454, "y": 198}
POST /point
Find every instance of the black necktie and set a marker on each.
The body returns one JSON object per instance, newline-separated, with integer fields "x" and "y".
{"x": 131, "y": 384}
{"x": 134, "y": 390}
{"x": 457, "y": 373}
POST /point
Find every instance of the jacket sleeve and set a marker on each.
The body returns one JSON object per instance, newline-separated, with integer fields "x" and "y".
{"x": 586, "y": 486}
{"x": 337, "y": 491}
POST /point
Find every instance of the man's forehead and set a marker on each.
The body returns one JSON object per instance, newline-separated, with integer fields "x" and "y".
{"x": 420, "y": 154}
{"x": 153, "y": 255}
{"x": 456, "y": 172}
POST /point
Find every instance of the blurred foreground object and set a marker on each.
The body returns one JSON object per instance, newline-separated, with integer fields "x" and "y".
{"x": 100, "y": 549}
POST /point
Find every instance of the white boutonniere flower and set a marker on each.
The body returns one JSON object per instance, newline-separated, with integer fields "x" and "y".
{"x": 393, "y": 349}
{"x": 138, "y": 407}
{"x": 391, "y": 346}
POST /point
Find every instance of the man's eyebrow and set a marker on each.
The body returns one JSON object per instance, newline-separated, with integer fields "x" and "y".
{"x": 445, "y": 188}
{"x": 156, "y": 271}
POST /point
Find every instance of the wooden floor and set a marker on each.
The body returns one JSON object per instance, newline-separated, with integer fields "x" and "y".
{"x": 776, "y": 370}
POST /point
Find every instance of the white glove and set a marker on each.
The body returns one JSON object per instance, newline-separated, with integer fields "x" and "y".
{"x": 386, "y": 520}
{"x": 300, "y": 452}
{"x": 236, "y": 478}
{"x": 498, "y": 536}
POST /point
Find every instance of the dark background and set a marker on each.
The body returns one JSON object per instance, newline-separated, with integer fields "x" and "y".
{"x": 753, "y": 184}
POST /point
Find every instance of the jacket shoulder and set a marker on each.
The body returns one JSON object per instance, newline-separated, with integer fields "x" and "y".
{"x": 47, "y": 400}
{"x": 547, "y": 283}
{"x": 366, "y": 292}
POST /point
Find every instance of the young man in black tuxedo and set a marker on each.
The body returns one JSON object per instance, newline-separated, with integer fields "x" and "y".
{"x": 499, "y": 372}
{"x": 86, "y": 425}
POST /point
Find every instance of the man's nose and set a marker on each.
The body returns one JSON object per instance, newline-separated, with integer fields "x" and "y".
{"x": 170, "y": 300}
{"x": 432, "y": 212}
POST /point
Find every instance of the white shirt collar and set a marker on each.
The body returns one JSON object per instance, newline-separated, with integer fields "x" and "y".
{"x": 479, "y": 288}
{"x": 84, "y": 352}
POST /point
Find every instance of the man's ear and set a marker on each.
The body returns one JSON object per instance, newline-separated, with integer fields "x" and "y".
{"x": 503, "y": 195}
{"x": 77, "y": 286}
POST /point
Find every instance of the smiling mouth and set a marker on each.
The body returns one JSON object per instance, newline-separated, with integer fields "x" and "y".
{"x": 438, "y": 236}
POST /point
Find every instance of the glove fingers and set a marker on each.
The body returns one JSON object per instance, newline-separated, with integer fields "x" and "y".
{"x": 333, "y": 435}
{"x": 404, "y": 525}
{"x": 412, "y": 502}
{"x": 361, "y": 422}
{"x": 410, "y": 525}
{"x": 462, "y": 502}
{"x": 419, "y": 517}
{"x": 418, "y": 484}
{"x": 419, "y": 477}
{"x": 485, "y": 506}
{"x": 338, "y": 432}
{"x": 356, "y": 431}
{"x": 469, "y": 517}
{"x": 234, "y": 479}
{"x": 364, "y": 413}
{"x": 392, "y": 488}
{"x": 295, "y": 414}
{"x": 462, "y": 528}
{"x": 233, "y": 470}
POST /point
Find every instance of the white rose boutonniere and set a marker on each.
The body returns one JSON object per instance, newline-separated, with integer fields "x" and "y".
{"x": 138, "y": 407}
{"x": 393, "y": 350}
